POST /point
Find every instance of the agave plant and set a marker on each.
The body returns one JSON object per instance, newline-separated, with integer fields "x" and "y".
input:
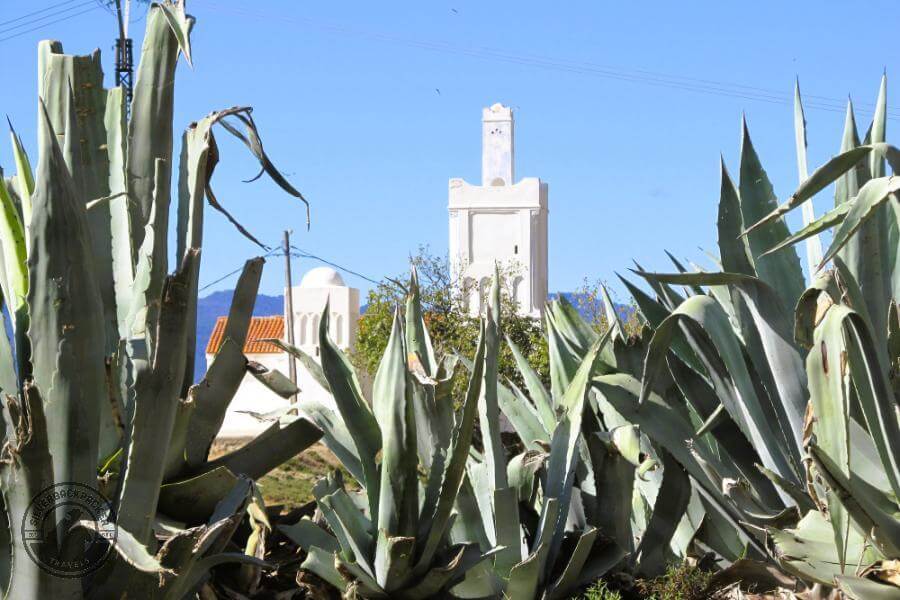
{"x": 792, "y": 465}
{"x": 538, "y": 525}
{"x": 97, "y": 383}
{"x": 393, "y": 538}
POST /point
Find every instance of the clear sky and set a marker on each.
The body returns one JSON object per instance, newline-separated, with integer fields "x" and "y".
{"x": 369, "y": 108}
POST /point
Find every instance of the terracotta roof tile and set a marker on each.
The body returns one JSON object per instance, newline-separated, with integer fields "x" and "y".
{"x": 260, "y": 328}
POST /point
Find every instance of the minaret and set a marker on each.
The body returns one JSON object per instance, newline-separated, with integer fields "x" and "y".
{"x": 502, "y": 221}
{"x": 497, "y": 146}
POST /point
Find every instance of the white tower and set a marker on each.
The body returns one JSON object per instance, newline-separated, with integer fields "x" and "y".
{"x": 319, "y": 286}
{"x": 500, "y": 221}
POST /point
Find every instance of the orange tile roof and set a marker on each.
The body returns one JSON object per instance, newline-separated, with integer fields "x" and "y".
{"x": 260, "y": 328}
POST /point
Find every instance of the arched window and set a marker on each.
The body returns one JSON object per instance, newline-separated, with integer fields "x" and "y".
{"x": 470, "y": 291}
{"x": 315, "y": 329}
{"x": 338, "y": 329}
{"x": 483, "y": 293}
{"x": 518, "y": 289}
{"x": 303, "y": 328}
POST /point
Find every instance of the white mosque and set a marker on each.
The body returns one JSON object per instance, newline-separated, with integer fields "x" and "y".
{"x": 500, "y": 221}
{"x": 318, "y": 286}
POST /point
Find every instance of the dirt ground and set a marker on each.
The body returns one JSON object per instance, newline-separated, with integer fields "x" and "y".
{"x": 290, "y": 484}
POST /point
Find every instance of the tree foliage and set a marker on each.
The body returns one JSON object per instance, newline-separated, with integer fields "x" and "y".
{"x": 452, "y": 327}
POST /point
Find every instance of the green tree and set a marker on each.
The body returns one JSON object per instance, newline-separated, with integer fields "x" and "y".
{"x": 452, "y": 327}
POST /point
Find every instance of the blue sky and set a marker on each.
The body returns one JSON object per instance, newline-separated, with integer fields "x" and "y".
{"x": 345, "y": 95}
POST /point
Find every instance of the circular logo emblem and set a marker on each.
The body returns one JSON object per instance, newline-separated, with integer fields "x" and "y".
{"x": 52, "y": 539}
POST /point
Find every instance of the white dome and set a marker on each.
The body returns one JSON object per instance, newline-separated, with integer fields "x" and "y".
{"x": 322, "y": 277}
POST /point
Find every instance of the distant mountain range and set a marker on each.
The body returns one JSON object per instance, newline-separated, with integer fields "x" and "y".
{"x": 210, "y": 308}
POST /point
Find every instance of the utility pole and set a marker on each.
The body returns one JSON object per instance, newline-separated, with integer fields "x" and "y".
{"x": 124, "y": 57}
{"x": 289, "y": 308}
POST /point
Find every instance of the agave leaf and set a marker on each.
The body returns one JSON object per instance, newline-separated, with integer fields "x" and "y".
{"x": 393, "y": 557}
{"x": 130, "y": 550}
{"x": 536, "y": 390}
{"x": 434, "y": 523}
{"x": 877, "y": 131}
{"x": 614, "y": 484}
{"x": 830, "y": 219}
{"x": 848, "y": 184}
{"x": 417, "y": 339}
{"x": 12, "y": 242}
{"x": 522, "y": 415}
{"x": 336, "y": 436}
{"x": 398, "y": 501}
{"x": 655, "y": 313}
{"x": 672, "y": 500}
{"x": 818, "y": 181}
{"x": 66, "y": 322}
{"x": 781, "y": 271}
{"x": 308, "y": 535}
{"x": 273, "y": 379}
{"x": 521, "y": 472}
{"x": 352, "y": 530}
{"x": 274, "y": 446}
{"x": 508, "y": 530}
{"x": 874, "y": 513}
{"x": 872, "y": 195}
{"x": 66, "y": 80}
{"x": 322, "y": 563}
{"x": 306, "y": 361}
{"x": 725, "y": 365}
{"x": 22, "y": 480}
{"x": 254, "y": 143}
{"x": 733, "y": 247}
{"x": 860, "y": 588}
{"x": 156, "y": 401}
{"x": 563, "y": 354}
{"x": 525, "y": 577}
{"x": 872, "y": 384}
{"x": 201, "y": 568}
{"x": 150, "y": 133}
{"x": 808, "y": 550}
{"x": 121, "y": 251}
{"x": 181, "y": 25}
{"x": 454, "y": 564}
{"x": 829, "y": 394}
{"x": 563, "y": 452}
{"x": 612, "y": 315}
{"x": 24, "y": 178}
{"x": 211, "y": 397}
{"x": 668, "y": 428}
{"x": 571, "y": 575}
{"x": 434, "y": 418}
{"x": 488, "y": 406}
{"x": 768, "y": 335}
{"x": 813, "y": 243}
{"x": 357, "y": 416}
{"x": 726, "y": 436}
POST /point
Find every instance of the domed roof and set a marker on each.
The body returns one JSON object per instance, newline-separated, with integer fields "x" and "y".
{"x": 322, "y": 277}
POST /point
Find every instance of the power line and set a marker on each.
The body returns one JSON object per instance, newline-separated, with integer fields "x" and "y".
{"x": 304, "y": 254}
{"x": 36, "y": 12}
{"x": 236, "y": 271}
{"x": 298, "y": 253}
{"x": 45, "y": 17}
{"x": 42, "y": 25}
{"x": 692, "y": 84}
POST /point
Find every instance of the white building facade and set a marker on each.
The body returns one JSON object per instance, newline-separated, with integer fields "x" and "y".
{"x": 317, "y": 287}
{"x": 500, "y": 221}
